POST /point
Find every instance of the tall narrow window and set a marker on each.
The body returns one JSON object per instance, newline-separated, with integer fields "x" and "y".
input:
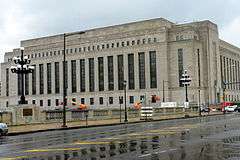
{"x": 131, "y": 80}
{"x": 110, "y": 73}
{"x": 227, "y": 74}
{"x": 221, "y": 68}
{"x": 91, "y": 75}
{"x": 82, "y": 75}
{"x": 100, "y": 74}
{"x": 66, "y": 74}
{"x": 26, "y": 84}
{"x": 34, "y": 80}
{"x": 57, "y": 78}
{"x": 141, "y": 62}
{"x": 7, "y": 82}
{"x": 153, "y": 69}
{"x": 180, "y": 65}
{"x": 41, "y": 79}
{"x": 224, "y": 70}
{"x": 49, "y": 78}
{"x": 74, "y": 77}
{"x": 120, "y": 72}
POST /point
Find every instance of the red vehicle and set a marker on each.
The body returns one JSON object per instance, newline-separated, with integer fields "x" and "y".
{"x": 225, "y": 104}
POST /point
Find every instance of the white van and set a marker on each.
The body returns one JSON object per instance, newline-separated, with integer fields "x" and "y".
{"x": 3, "y": 129}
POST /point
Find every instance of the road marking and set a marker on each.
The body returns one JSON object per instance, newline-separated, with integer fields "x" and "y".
{"x": 144, "y": 155}
{"x": 18, "y": 157}
{"x": 90, "y": 142}
{"x": 51, "y": 150}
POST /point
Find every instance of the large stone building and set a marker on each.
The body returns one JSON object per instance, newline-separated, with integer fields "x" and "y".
{"x": 147, "y": 54}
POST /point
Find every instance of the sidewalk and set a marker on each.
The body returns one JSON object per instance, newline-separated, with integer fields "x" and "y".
{"x": 31, "y": 128}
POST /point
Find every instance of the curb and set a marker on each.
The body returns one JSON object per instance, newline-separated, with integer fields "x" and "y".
{"x": 105, "y": 125}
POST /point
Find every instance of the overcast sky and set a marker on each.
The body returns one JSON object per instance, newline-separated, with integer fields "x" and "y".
{"x": 25, "y": 19}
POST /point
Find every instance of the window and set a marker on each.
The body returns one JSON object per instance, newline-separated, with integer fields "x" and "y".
{"x": 33, "y": 101}
{"x": 79, "y": 49}
{"x": 46, "y": 54}
{"x": 93, "y": 48}
{"x": 120, "y": 72}
{"x": 133, "y": 43}
{"x": 131, "y": 81}
{"x": 56, "y": 102}
{"x": 138, "y": 41}
{"x": 103, "y": 46}
{"x": 101, "y": 100}
{"x": 120, "y": 99}
{"x": 141, "y": 61}
{"x": 144, "y": 41}
{"x": 131, "y": 99}
{"x": 110, "y": 73}
{"x": 49, "y": 78}
{"x": 74, "y": 78}
{"x": 57, "y": 77}
{"x": 107, "y": 45}
{"x": 127, "y": 43}
{"x": 75, "y": 50}
{"x": 149, "y": 40}
{"x": 41, "y": 103}
{"x": 84, "y": 49}
{"x": 100, "y": 74}
{"x": 49, "y": 102}
{"x": 91, "y": 75}
{"x": 142, "y": 99}
{"x": 155, "y": 40}
{"x": 180, "y": 66}
{"x": 117, "y": 44}
{"x": 110, "y": 100}
{"x": 89, "y": 49}
{"x": 82, "y": 100}
{"x": 41, "y": 79}
{"x": 153, "y": 70}
{"x": 71, "y": 50}
{"x": 7, "y": 82}
{"x": 112, "y": 45}
{"x": 123, "y": 44}
{"x": 91, "y": 101}
{"x": 7, "y": 104}
{"x": 98, "y": 47}
{"x": 82, "y": 75}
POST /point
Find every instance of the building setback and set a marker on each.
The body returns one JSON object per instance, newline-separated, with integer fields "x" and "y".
{"x": 143, "y": 53}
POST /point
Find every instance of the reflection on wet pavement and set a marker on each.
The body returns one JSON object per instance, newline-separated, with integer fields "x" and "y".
{"x": 198, "y": 139}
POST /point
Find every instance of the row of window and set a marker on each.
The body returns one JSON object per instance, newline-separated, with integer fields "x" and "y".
{"x": 91, "y": 76}
{"x": 94, "y": 48}
{"x": 230, "y": 73}
{"x": 109, "y": 101}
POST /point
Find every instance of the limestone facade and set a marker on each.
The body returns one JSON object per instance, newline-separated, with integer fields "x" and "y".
{"x": 172, "y": 45}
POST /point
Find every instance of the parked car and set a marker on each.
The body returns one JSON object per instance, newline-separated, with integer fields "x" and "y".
{"x": 205, "y": 109}
{"x": 3, "y": 129}
{"x": 237, "y": 109}
{"x": 230, "y": 108}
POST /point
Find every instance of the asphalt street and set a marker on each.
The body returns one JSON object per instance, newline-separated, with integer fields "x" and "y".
{"x": 203, "y": 138}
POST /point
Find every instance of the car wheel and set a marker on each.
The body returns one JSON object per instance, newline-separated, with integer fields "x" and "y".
{"x": 1, "y": 133}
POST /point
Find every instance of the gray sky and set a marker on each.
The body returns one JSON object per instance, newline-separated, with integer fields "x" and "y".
{"x": 25, "y": 19}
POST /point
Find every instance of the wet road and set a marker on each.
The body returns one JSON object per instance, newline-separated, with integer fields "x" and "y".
{"x": 205, "y": 138}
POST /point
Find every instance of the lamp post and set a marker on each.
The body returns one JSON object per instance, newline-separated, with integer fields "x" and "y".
{"x": 64, "y": 75}
{"x": 164, "y": 90}
{"x": 125, "y": 100}
{"x": 185, "y": 80}
{"x": 22, "y": 69}
{"x": 199, "y": 84}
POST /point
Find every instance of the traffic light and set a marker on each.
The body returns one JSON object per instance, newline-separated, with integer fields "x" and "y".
{"x": 74, "y": 101}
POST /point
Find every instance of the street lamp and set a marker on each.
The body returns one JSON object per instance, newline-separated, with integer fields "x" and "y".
{"x": 125, "y": 100}
{"x": 64, "y": 76}
{"x": 22, "y": 68}
{"x": 185, "y": 80}
{"x": 164, "y": 90}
